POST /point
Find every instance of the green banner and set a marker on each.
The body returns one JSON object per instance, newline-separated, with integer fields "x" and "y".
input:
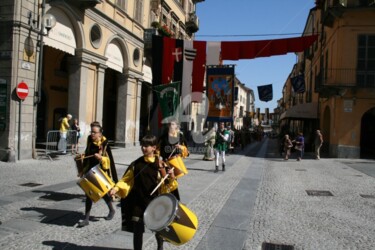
{"x": 168, "y": 97}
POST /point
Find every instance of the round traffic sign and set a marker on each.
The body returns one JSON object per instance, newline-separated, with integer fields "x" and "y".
{"x": 22, "y": 90}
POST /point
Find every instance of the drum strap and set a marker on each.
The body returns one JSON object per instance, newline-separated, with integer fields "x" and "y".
{"x": 103, "y": 154}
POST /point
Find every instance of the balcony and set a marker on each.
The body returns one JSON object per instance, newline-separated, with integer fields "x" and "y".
{"x": 147, "y": 36}
{"x": 85, "y": 4}
{"x": 330, "y": 81}
{"x": 335, "y": 8}
{"x": 192, "y": 23}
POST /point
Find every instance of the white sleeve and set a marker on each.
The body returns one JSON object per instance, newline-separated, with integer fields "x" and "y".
{"x": 226, "y": 137}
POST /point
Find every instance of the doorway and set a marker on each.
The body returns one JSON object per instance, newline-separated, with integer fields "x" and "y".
{"x": 368, "y": 135}
{"x": 110, "y": 104}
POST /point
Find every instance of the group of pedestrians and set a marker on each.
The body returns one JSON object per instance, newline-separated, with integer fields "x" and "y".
{"x": 65, "y": 127}
{"x": 154, "y": 173}
{"x": 299, "y": 145}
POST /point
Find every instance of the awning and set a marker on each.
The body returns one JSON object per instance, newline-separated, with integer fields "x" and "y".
{"x": 61, "y": 36}
{"x": 301, "y": 111}
{"x": 114, "y": 55}
{"x": 147, "y": 74}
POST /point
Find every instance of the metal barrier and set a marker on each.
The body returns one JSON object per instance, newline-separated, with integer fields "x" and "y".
{"x": 56, "y": 144}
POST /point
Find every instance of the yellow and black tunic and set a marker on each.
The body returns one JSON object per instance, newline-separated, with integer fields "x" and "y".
{"x": 135, "y": 187}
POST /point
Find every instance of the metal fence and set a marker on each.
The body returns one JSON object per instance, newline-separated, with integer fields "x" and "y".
{"x": 59, "y": 144}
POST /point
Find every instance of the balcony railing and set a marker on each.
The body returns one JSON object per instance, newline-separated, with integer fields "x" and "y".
{"x": 345, "y": 78}
{"x": 192, "y": 23}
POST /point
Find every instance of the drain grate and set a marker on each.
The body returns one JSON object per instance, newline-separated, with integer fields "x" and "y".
{"x": 274, "y": 246}
{"x": 369, "y": 196}
{"x": 301, "y": 169}
{"x": 30, "y": 184}
{"x": 358, "y": 175}
{"x": 319, "y": 193}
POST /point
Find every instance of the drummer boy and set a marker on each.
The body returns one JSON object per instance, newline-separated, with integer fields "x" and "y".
{"x": 136, "y": 189}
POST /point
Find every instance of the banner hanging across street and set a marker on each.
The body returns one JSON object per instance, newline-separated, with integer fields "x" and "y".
{"x": 220, "y": 92}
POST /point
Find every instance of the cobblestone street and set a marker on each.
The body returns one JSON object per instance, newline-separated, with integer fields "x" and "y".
{"x": 259, "y": 199}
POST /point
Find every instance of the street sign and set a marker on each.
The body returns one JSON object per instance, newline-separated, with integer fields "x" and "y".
{"x": 22, "y": 90}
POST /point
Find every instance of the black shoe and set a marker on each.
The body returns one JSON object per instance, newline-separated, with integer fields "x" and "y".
{"x": 83, "y": 223}
{"x": 223, "y": 167}
{"x": 110, "y": 215}
{"x": 216, "y": 169}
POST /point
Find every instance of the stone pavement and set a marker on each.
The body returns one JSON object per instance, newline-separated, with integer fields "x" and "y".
{"x": 259, "y": 199}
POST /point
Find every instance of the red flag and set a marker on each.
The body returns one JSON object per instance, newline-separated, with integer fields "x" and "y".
{"x": 264, "y": 48}
{"x": 169, "y": 45}
{"x": 199, "y": 68}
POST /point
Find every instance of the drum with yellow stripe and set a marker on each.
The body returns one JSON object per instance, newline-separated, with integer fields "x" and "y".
{"x": 171, "y": 219}
{"x": 96, "y": 183}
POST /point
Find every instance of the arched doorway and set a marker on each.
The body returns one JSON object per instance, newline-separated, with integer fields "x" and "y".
{"x": 54, "y": 96}
{"x": 368, "y": 134}
{"x": 110, "y": 104}
{"x": 326, "y": 131}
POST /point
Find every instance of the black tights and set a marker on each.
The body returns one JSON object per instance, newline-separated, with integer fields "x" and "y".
{"x": 138, "y": 237}
{"x": 88, "y": 205}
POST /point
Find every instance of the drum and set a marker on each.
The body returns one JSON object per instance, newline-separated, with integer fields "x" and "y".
{"x": 171, "y": 219}
{"x": 96, "y": 183}
{"x": 79, "y": 162}
{"x": 179, "y": 166}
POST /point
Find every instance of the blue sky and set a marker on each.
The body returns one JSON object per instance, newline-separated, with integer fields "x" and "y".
{"x": 254, "y": 18}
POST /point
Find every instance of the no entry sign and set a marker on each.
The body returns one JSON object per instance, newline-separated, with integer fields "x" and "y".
{"x": 22, "y": 90}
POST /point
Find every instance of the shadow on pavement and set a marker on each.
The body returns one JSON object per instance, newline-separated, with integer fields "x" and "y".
{"x": 57, "y": 196}
{"x": 69, "y": 246}
{"x": 55, "y": 216}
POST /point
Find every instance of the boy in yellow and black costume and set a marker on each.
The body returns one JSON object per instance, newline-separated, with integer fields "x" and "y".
{"x": 135, "y": 188}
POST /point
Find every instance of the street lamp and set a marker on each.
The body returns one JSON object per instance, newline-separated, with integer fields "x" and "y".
{"x": 49, "y": 21}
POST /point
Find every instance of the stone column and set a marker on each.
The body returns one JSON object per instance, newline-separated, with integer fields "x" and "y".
{"x": 121, "y": 112}
{"x": 100, "y": 93}
{"x": 138, "y": 100}
{"x": 77, "y": 85}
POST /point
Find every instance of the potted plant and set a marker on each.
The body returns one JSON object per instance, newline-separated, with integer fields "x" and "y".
{"x": 155, "y": 24}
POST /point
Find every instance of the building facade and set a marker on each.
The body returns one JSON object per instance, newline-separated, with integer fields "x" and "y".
{"x": 339, "y": 73}
{"x": 92, "y": 64}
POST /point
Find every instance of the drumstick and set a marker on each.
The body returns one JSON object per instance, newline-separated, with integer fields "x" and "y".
{"x": 84, "y": 157}
{"x": 171, "y": 153}
{"x": 161, "y": 182}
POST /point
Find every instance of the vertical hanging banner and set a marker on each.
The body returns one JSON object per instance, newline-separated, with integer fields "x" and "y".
{"x": 220, "y": 92}
{"x": 168, "y": 97}
{"x": 265, "y": 92}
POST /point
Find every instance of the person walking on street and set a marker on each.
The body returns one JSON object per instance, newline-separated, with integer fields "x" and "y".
{"x": 300, "y": 145}
{"x": 318, "y": 142}
{"x": 221, "y": 145}
{"x": 287, "y": 146}
{"x": 136, "y": 190}
{"x": 210, "y": 142}
{"x": 64, "y": 127}
{"x": 172, "y": 148}
{"x": 75, "y": 127}
{"x": 98, "y": 152}
{"x": 230, "y": 140}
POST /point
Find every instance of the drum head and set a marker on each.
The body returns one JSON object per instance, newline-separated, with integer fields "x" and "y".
{"x": 160, "y": 212}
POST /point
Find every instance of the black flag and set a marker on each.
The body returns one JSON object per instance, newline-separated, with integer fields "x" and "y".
{"x": 298, "y": 83}
{"x": 265, "y": 93}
